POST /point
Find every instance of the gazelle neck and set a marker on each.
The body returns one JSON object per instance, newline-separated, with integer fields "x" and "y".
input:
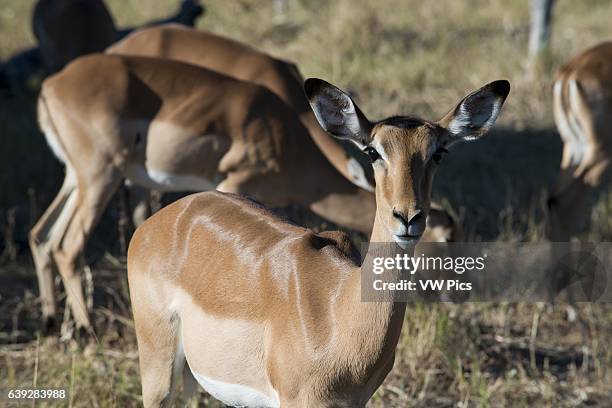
{"x": 373, "y": 328}
{"x": 381, "y": 244}
{"x": 383, "y": 241}
{"x": 379, "y": 232}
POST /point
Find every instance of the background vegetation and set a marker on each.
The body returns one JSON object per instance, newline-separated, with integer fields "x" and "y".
{"x": 396, "y": 56}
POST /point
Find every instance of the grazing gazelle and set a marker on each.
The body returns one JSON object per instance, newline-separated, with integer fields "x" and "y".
{"x": 243, "y": 62}
{"x": 169, "y": 126}
{"x": 583, "y": 108}
{"x": 268, "y": 314}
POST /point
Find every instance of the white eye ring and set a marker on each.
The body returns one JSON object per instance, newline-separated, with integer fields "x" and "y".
{"x": 380, "y": 150}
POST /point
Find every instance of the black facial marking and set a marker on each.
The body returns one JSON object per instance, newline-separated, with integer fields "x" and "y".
{"x": 404, "y": 122}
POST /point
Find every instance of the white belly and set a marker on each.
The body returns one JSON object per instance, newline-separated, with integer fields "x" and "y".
{"x": 225, "y": 356}
{"x": 159, "y": 180}
{"x": 235, "y": 395}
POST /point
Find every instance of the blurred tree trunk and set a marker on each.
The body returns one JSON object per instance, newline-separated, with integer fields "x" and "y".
{"x": 539, "y": 33}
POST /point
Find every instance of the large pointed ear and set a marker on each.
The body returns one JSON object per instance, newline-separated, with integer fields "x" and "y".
{"x": 476, "y": 113}
{"x": 337, "y": 113}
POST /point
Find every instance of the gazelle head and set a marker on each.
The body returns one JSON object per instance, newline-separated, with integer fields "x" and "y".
{"x": 405, "y": 152}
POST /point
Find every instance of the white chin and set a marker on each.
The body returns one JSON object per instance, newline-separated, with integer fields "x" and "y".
{"x": 405, "y": 242}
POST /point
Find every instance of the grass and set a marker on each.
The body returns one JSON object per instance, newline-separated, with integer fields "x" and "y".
{"x": 397, "y": 56}
{"x": 474, "y": 354}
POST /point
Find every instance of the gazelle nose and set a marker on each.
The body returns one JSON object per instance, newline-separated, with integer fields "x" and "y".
{"x": 415, "y": 226}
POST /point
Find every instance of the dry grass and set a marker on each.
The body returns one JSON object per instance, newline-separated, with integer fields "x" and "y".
{"x": 476, "y": 354}
{"x": 396, "y": 56}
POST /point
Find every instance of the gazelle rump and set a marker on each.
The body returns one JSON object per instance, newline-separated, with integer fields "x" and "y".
{"x": 582, "y": 101}
{"x": 169, "y": 126}
{"x": 269, "y": 314}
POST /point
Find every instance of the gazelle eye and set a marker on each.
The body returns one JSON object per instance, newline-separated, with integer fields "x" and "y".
{"x": 372, "y": 153}
{"x": 439, "y": 155}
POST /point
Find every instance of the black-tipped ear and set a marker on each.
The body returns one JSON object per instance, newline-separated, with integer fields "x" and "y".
{"x": 477, "y": 112}
{"x": 337, "y": 113}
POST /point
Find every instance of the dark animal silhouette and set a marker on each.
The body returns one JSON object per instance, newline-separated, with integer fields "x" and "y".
{"x": 68, "y": 29}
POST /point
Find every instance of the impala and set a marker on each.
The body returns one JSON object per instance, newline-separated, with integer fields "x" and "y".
{"x": 268, "y": 314}
{"x": 582, "y": 107}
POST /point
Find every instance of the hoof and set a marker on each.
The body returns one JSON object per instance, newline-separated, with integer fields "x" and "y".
{"x": 71, "y": 331}
{"x": 84, "y": 335}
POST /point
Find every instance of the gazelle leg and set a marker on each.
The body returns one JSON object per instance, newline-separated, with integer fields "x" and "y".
{"x": 92, "y": 198}
{"x": 160, "y": 353}
{"x": 190, "y": 387}
{"x": 41, "y": 244}
{"x": 158, "y": 360}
